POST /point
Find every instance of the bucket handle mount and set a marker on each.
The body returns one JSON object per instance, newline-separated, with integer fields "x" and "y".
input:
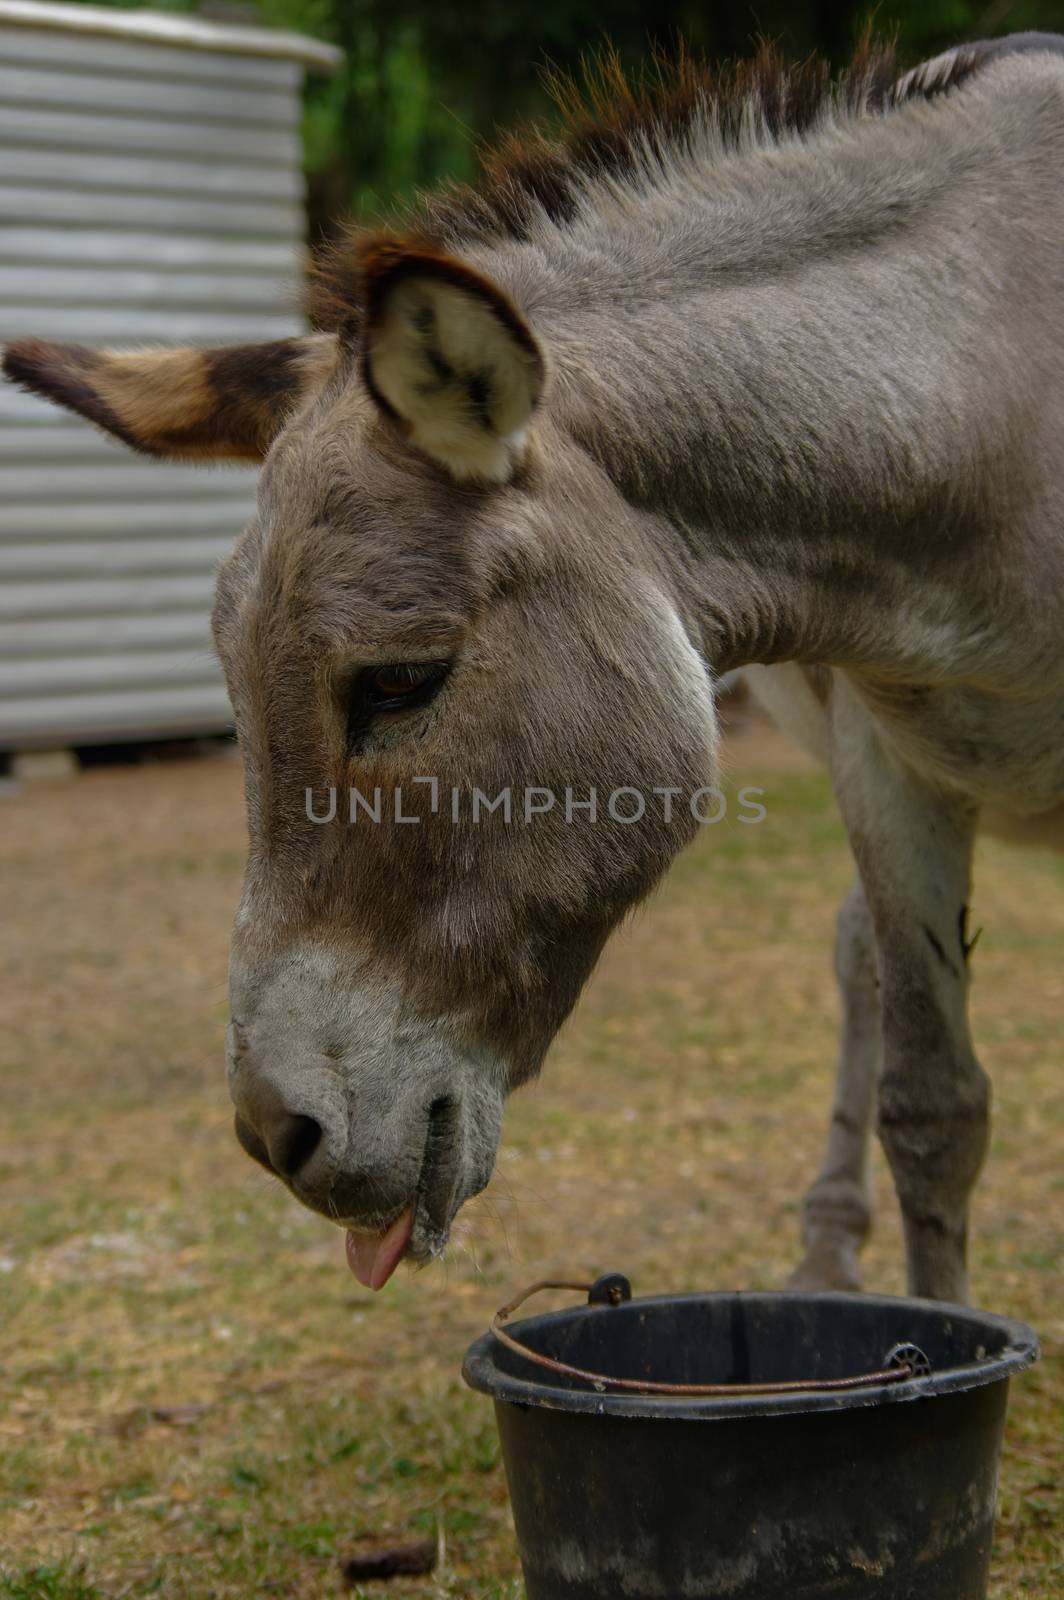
{"x": 613, "y": 1289}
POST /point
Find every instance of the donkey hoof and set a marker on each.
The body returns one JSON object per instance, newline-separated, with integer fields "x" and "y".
{"x": 827, "y": 1267}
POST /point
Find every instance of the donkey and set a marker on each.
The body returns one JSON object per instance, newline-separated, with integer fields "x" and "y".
{"x": 749, "y": 369}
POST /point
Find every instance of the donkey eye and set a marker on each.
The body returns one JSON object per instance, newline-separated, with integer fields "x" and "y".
{"x": 396, "y": 687}
{"x": 403, "y": 681}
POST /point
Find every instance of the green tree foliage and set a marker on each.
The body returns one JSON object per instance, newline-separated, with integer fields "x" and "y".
{"x": 424, "y": 80}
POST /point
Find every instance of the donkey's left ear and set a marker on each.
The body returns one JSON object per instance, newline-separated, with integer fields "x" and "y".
{"x": 449, "y": 355}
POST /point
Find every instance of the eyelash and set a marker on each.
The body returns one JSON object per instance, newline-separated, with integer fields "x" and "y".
{"x": 406, "y": 684}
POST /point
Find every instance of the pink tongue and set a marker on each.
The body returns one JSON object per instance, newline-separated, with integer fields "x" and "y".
{"x": 374, "y": 1257}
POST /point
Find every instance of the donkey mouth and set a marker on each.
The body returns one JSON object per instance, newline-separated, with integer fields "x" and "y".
{"x": 421, "y": 1230}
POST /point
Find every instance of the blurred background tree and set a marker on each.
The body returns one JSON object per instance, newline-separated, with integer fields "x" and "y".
{"x": 424, "y": 80}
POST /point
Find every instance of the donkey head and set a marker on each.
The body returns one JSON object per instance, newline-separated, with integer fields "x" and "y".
{"x": 443, "y": 630}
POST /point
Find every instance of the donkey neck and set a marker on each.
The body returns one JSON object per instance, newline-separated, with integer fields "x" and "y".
{"x": 787, "y": 359}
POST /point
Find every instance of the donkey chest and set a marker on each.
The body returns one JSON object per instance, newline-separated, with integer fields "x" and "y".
{"x": 1005, "y": 752}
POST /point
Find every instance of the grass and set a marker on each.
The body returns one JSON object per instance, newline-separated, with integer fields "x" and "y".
{"x": 197, "y": 1400}
{"x": 46, "y": 1583}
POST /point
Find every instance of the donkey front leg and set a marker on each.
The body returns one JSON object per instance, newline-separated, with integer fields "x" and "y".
{"x": 837, "y": 1213}
{"x": 913, "y": 847}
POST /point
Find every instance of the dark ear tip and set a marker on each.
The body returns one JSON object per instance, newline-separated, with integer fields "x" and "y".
{"x": 20, "y": 359}
{"x": 28, "y": 362}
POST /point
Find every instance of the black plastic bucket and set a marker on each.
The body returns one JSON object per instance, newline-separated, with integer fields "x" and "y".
{"x": 881, "y": 1488}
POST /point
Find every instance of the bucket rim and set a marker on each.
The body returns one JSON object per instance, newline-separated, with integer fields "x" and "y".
{"x": 1020, "y": 1350}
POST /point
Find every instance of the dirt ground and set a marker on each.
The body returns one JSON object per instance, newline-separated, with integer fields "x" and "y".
{"x": 197, "y": 1400}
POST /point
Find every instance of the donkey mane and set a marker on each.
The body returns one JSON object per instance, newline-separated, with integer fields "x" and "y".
{"x": 614, "y": 126}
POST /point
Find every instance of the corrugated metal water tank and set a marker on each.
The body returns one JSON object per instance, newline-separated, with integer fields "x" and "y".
{"x": 151, "y": 192}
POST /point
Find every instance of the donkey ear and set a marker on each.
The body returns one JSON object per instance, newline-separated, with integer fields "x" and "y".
{"x": 450, "y": 355}
{"x": 201, "y": 405}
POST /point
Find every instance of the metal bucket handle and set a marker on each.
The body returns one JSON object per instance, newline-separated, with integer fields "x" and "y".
{"x": 902, "y": 1362}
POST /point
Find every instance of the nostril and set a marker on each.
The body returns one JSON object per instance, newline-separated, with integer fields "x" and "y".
{"x": 291, "y": 1143}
